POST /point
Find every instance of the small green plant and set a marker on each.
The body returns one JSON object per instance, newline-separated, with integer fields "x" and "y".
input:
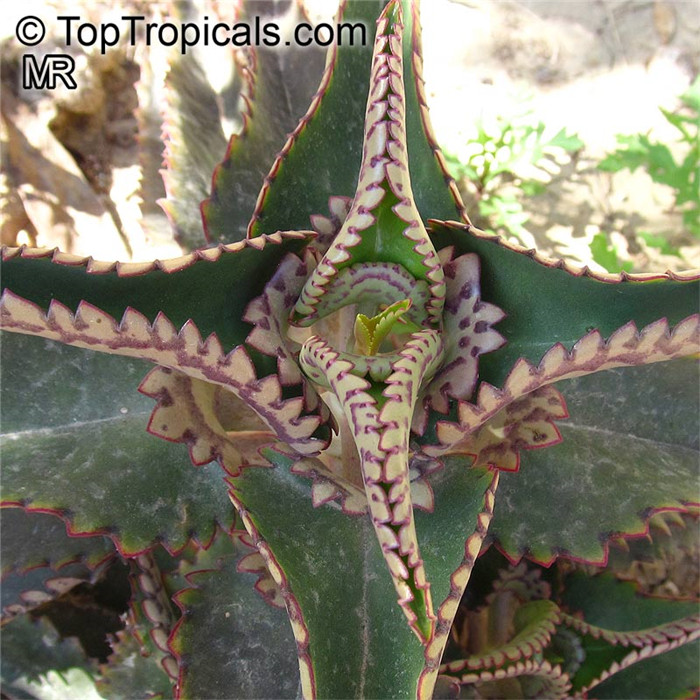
{"x": 348, "y": 415}
{"x": 508, "y": 159}
{"x": 677, "y": 168}
{"x": 607, "y": 255}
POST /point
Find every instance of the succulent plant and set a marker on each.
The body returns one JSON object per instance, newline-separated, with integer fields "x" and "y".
{"x": 356, "y": 393}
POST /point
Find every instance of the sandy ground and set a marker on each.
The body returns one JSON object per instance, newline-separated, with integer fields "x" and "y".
{"x": 598, "y": 68}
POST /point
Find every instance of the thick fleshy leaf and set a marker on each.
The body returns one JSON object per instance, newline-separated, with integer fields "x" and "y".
{"x": 76, "y": 443}
{"x": 644, "y": 627}
{"x": 218, "y": 639}
{"x": 524, "y": 424}
{"x": 280, "y": 81}
{"x": 549, "y": 302}
{"x": 672, "y": 674}
{"x": 626, "y": 347}
{"x": 141, "y": 664}
{"x": 133, "y": 671}
{"x": 39, "y": 539}
{"x": 534, "y": 625}
{"x": 305, "y": 173}
{"x": 336, "y": 586}
{"x": 210, "y": 287}
{"x": 201, "y": 364}
{"x": 434, "y": 189}
{"x": 631, "y": 439}
{"x": 191, "y": 411}
{"x": 383, "y": 224}
{"x": 531, "y": 678}
{"x": 380, "y": 427}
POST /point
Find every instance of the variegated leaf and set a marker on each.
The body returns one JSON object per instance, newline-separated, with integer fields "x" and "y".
{"x": 162, "y": 343}
{"x": 191, "y": 411}
{"x": 380, "y": 427}
{"x": 592, "y": 353}
{"x": 526, "y": 423}
{"x": 383, "y": 225}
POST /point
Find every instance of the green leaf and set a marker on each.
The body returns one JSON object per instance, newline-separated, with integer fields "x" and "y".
{"x": 629, "y": 447}
{"x": 435, "y": 194}
{"x": 355, "y": 639}
{"x": 50, "y": 546}
{"x": 605, "y": 254}
{"x": 546, "y": 303}
{"x": 533, "y": 624}
{"x": 612, "y": 605}
{"x": 219, "y": 637}
{"x": 75, "y": 442}
{"x": 307, "y": 173}
{"x": 670, "y": 675}
{"x": 213, "y": 288}
{"x": 660, "y": 242}
{"x": 281, "y": 80}
{"x": 634, "y": 155}
{"x": 569, "y": 142}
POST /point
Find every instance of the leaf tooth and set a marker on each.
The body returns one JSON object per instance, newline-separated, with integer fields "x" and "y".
{"x": 258, "y": 242}
{"x": 322, "y": 224}
{"x": 239, "y": 363}
{"x": 100, "y": 267}
{"x": 587, "y": 348}
{"x": 213, "y": 349}
{"x": 378, "y": 503}
{"x": 210, "y": 254}
{"x": 130, "y": 269}
{"x": 68, "y": 259}
{"x": 34, "y": 253}
{"x": 99, "y": 324}
{"x": 489, "y": 396}
{"x": 135, "y": 328}
{"x": 553, "y": 359}
{"x": 18, "y": 312}
{"x": 59, "y": 315}
{"x": 191, "y": 338}
{"x": 687, "y": 331}
{"x": 164, "y": 330}
{"x": 8, "y": 252}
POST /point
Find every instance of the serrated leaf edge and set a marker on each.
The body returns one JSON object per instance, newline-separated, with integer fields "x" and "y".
{"x": 560, "y": 684}
{"x": 160, "y": 342}
{"x": 459, "y": 579}
{"x": 130, "y": 269}
{"x": 522, "y": 646}
{"x": 592, "y": 353}
{"x": 650, "y": 642}
{"x": 560, "y": 263}
{"x": 294, "y": 612}
{"x": 419, "y": 84}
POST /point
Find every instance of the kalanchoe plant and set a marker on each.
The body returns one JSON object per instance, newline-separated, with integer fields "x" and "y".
{"x": 370, "y": 381}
